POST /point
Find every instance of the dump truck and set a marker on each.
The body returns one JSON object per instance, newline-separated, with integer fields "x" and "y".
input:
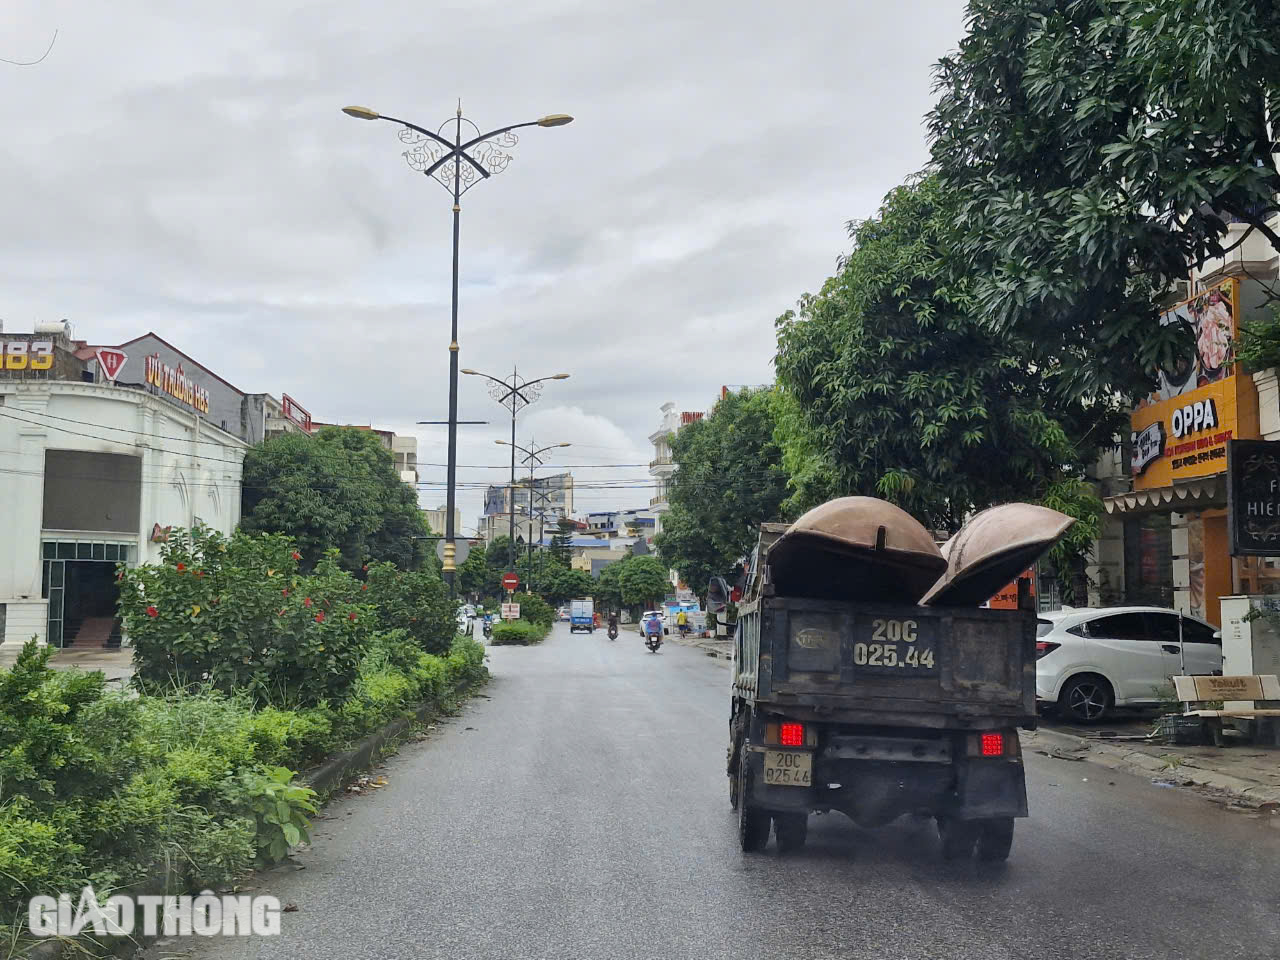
{"x": 867, "y": 678}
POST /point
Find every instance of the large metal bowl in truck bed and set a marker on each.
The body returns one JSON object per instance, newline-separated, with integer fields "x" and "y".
{"x": 876, "y": 707}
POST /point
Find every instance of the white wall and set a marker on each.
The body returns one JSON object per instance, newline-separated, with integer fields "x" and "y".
{"x": 190, "y": 470}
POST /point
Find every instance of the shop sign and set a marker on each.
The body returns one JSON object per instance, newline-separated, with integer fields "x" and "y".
{"x": 1148, "y": 445}
{"x": 1007, "y": 598}
{"x": 1253, "y": 498}
{"x": 23, "y": 355}
{"x": 1201, "y": 405}
{"x": 176, "y": 384}
{"x": 293, "y": 411}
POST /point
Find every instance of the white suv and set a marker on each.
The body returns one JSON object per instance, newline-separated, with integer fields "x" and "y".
{"x": 1090, "y": 661}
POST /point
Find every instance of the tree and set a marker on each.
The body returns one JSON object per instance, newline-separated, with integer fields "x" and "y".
{"x": 496, "y": 558}
{"x": 473, "y": 574}
{"x": 608, "y": 587}
{"x": 643, "y": 582}
{"x": 1099, "y": 147}
{"x": 893, "y": 389}
{"x": 561, "y": 549}
{"x": 729, "y": 479}
{"x": 338, "y": 488}
{"x": 556, "y": 584}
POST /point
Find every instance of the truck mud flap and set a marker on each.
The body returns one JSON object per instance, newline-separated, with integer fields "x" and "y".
{"x": 986, "y": 789}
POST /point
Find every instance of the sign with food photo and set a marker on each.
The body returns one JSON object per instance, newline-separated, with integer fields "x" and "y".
{"x": 1181, "y": 431}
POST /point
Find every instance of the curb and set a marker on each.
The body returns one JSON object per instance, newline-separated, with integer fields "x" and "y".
{"x": 1116, "y": 757}
{"x": 699, "y": 644}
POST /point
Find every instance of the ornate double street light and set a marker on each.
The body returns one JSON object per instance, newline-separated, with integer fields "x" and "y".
{"x": 533, "y": 457}
{"x": 457, "y": 164}
{"x": 515, "y": 393}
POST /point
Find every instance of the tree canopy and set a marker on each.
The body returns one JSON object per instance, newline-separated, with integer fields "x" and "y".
{"x": 729, "y": 479}
{"x": 338, "y": 488}
{"x": 892, "y": 388}
{"x": 1098, "y": 148}
{"x": 643, "y": 581}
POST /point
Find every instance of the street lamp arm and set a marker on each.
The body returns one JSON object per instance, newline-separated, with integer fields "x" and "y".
{"x": 493, "y": 133}
{"x": 453, "y": 148}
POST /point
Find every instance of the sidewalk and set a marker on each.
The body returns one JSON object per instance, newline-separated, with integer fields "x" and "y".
{"x": 721, "y": 648}
{"x": 117, "y": 664}
{"x": 1239, "y": 776}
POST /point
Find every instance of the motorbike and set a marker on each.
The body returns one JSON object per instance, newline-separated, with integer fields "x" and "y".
{"x": 488, "y": 630}
{"x": 613, "y": 629}
{"x": 653, "y": 641}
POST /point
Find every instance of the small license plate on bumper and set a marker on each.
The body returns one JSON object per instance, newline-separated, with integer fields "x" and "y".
{"x": 788, "y": 768}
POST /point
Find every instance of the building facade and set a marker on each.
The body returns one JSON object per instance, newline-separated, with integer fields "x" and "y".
{"x": 1164, "y": 538}
{"x": 662, "y": 468}
{"x": 438, "y": 518}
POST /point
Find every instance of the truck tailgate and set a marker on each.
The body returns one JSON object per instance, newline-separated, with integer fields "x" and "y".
{"x": 893, "y": 659}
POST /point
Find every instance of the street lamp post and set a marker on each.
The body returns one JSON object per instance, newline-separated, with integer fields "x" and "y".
{"x": 457, "y": 165}
{"x": 532, "y": 457}
{"x": 514, "y": 393}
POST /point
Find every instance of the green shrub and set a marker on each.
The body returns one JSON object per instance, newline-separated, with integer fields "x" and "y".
{"x": 517, "y": 632}
{"x": 280, "y": 807}
{"x": 38, "y": 853}
{"x": 415, "y": 602}
{"x": 536, "y": 610}
{"x": 236, "y": 614}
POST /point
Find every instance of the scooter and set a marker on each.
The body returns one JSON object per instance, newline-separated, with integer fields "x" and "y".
{"x": 613, "y": 629}
{"x": 653, "y": 641}
{"x": 488, "y": 630}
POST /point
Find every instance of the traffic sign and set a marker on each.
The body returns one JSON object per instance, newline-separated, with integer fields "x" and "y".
{"x": 510, "y": 581}
{"x": 511, "y": 611}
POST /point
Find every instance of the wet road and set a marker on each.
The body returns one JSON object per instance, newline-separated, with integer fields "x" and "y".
{"x": 581, "y": 812}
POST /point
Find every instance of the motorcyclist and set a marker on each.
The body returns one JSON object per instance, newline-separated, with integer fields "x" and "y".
{"x": 613, "y": 621}
{"x": 653, "y": 626}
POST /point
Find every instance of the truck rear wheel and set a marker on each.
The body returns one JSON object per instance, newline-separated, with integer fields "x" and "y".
{"x": 958, "y": 837}
{"x": 753, "y": 824}
{"x": 791, "y": 830}
{"x": 995, "y": 838}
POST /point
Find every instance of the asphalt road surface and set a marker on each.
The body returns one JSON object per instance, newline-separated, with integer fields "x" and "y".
{"x": 581, "y": 812}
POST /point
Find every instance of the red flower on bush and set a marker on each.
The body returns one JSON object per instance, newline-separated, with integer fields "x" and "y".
{"x": 320, "y": 617}
{"x": 152, "y": 612}
{"x": 119, "y": 576}
{"x": 284, "y": 592}
{"x": 199, "y": 573}
{"x": 281, "y": 613}
{"x": 182, "y": 567}
{"x": 364, "y": 586}
{"x": 306, "y": 602}
{"x": 351, "y": 616}
{"x": 365, "y": 568}
{"x": 297, "y": 555}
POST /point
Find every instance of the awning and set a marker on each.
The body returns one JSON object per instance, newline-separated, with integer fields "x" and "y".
{"x": 1204, "y": 493}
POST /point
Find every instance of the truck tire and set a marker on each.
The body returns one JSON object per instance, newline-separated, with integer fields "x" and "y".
{"x": 958, "y": 837}
{"x": 791, "y": 830}
{"x": 995, "y": 838}
{"x": 753, "y": 823}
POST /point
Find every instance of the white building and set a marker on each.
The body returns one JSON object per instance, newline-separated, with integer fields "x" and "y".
{"x": 661, "y": 467}
{"x": 438, "y": 518}
{"x": 93, "y": 474}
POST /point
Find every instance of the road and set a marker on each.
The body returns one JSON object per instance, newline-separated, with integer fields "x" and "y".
{"x": 581, "y": 812}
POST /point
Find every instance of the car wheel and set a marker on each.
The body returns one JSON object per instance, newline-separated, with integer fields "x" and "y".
{"x": 1087, "y": 698}
{"x": 753, "y": 823}
{"x": 958, "y": 837}
{"x": 995, "y": 838}
{"x": 791, "y": 830}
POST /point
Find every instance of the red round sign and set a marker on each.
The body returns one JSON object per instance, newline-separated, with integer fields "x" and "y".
{"x": 510, "y": 581}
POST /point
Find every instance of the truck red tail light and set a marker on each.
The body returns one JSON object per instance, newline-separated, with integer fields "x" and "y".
{"x": 993, "y": 744}
{"x": 791, "y": 734}
{"x": 1044, "y": 647}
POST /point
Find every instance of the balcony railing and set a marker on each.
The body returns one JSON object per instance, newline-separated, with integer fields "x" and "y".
{"x": 657, "y": 500}
{"x": 660, "y": 462}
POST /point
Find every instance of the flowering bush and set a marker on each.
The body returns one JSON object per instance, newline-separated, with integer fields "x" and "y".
{"x": 236, "y": 614}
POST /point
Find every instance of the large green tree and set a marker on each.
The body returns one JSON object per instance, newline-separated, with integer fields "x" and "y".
{"x": 561, "y": 548}
{"x": 643, "y": 581}
{"x": 729, "y": 479}
{"x": 893, "y": 388}
{"x": 338, "y": 488}
{"x": 1098, "y": 148}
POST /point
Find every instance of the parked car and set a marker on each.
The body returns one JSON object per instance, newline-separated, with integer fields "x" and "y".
{"x": 653, "y": 613}
{"x": 562, "y": 614}
{"x": 1090, "y": 661}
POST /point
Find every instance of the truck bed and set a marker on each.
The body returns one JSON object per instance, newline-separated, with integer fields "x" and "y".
{"x": 871, "y": 663}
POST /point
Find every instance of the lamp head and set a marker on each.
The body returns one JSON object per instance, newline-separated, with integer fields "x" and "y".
{"x": 364, "y": 113}
{"x": 469, "y": 372}
{"x": 561, "y": 376}
{"x": 555, "y": 120}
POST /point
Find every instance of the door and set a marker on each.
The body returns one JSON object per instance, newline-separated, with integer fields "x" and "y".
{"x": 1121, "y": 645}
{"x": 1163, "y": 629}
{"x": 1202, "y": 652}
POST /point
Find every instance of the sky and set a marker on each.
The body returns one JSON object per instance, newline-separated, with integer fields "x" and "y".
{"x": 186, "y": 169}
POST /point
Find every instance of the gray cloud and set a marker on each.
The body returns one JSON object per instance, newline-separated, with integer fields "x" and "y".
{"x": 186, "y": 169}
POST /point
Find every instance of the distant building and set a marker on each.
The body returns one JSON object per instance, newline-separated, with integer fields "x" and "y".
{"x": 553, "y": 494}
{"x": 662, "y": 468}
{"x": 437, "y": 519}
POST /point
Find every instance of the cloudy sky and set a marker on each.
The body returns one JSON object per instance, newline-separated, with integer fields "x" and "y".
{"x": 185, "y": 169}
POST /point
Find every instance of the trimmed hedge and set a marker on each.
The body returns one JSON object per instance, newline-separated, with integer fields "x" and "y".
{"x": 519, "y": 633}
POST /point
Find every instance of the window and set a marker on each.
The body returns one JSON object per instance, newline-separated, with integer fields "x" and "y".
{"x": 1120, "y": 626}
{"x": 1044, "y": 628}
{"x": 1162, "y": 627}
{"x": 1193, "y": 631}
